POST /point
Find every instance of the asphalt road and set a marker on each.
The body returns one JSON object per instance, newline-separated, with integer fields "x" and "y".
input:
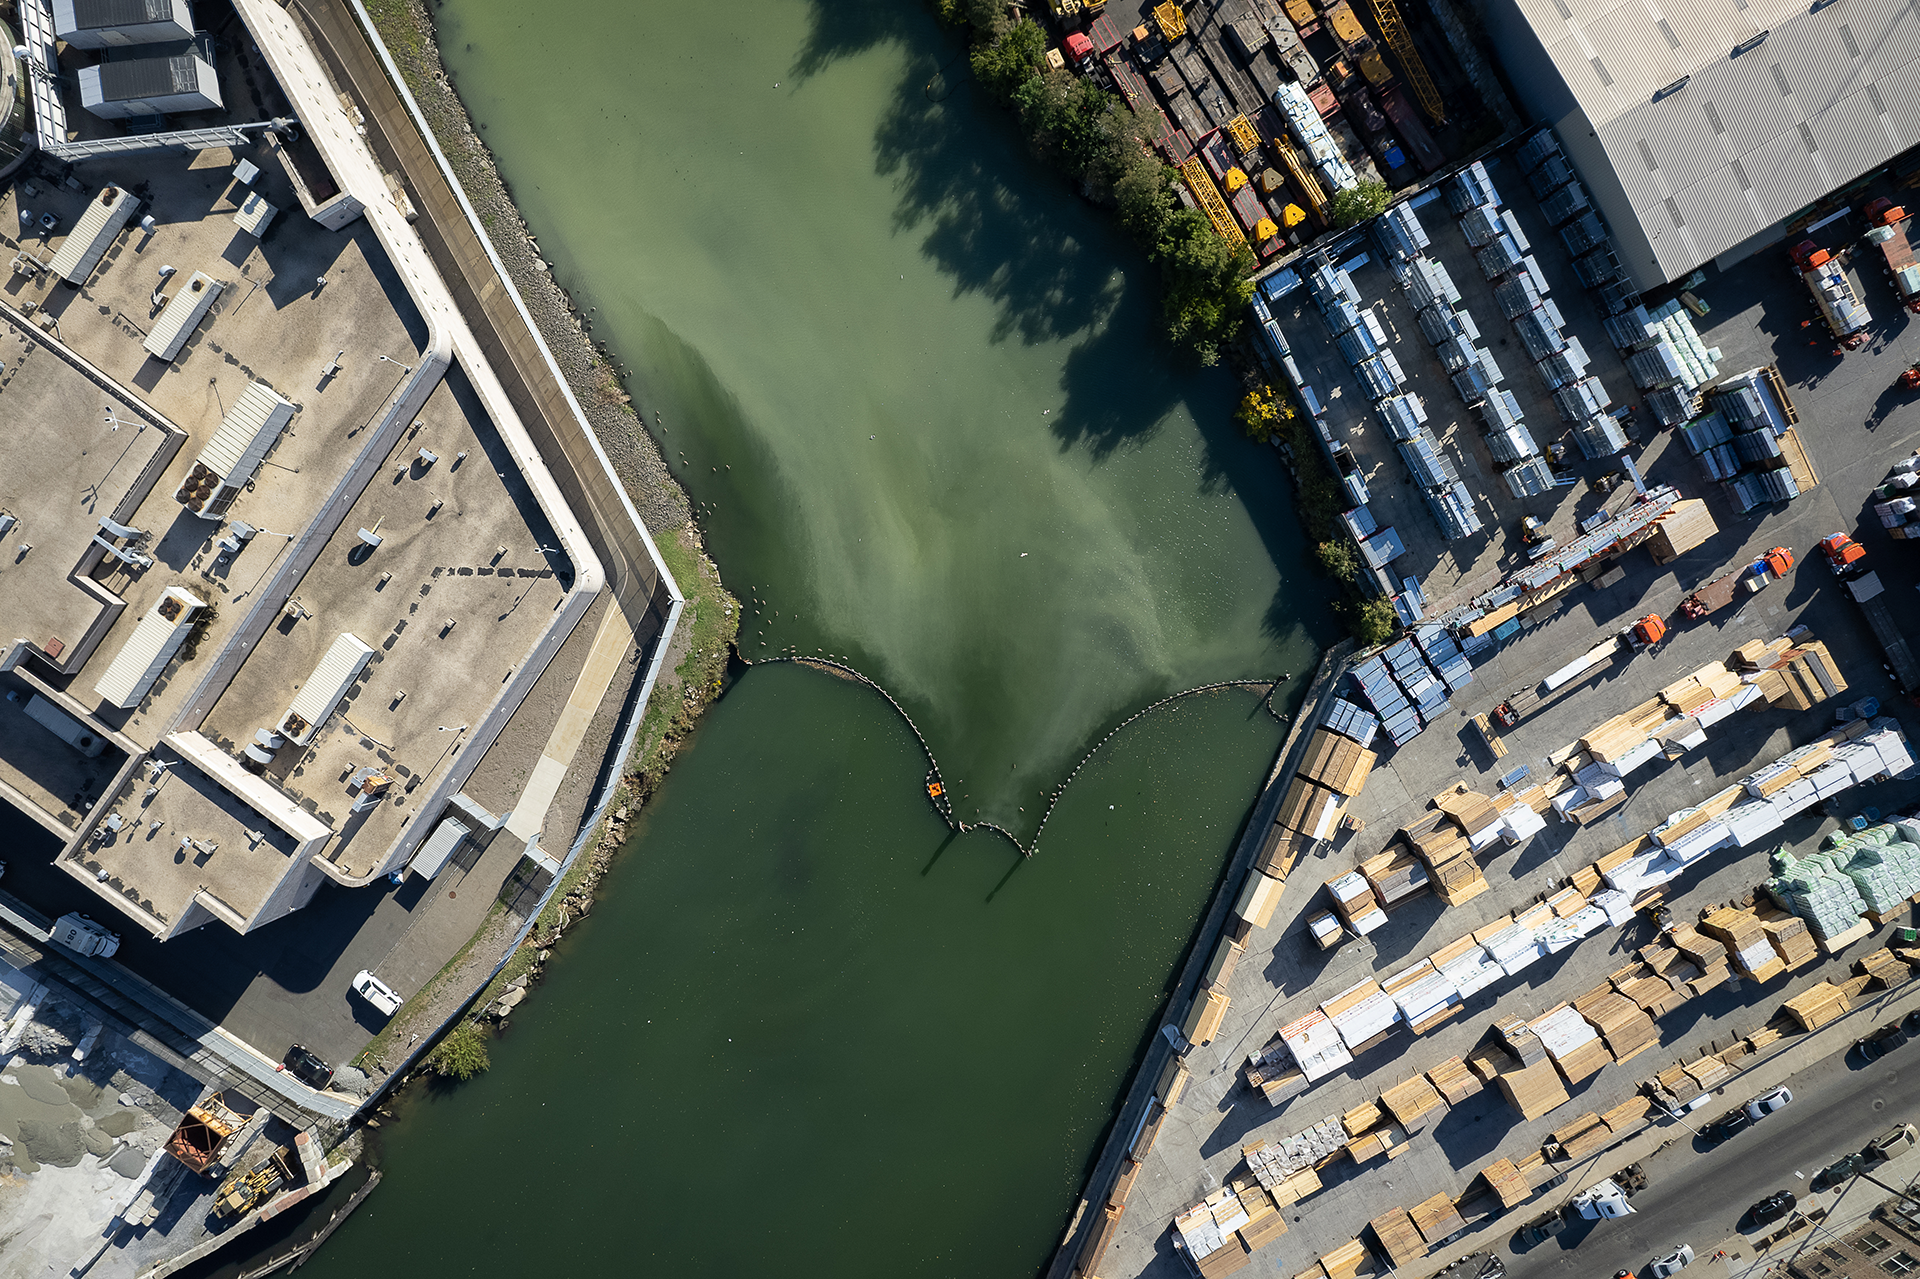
{"x": 1698, "y": 1197}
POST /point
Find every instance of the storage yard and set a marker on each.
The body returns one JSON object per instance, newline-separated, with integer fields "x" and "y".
{"x": 1618, "y": 817}
{"x": 1270, "y": 110}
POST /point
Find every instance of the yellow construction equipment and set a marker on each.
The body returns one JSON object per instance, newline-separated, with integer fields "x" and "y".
{"x": 1294, "y": 215}
{"x": 242, "y": 1192}
{"x": 1201, "y": 184}
{"x": 1236, "y": 179}
{"x": 1304, "y": 179}
{"x": 1395, "y": 31}
{"x": 1173, "y": 23}
{"x": 1265, "y": 230}
{"x": 1241, "y": 131}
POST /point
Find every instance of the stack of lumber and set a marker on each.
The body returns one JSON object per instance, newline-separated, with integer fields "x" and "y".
{"x": 1473, "y": 812}
{"x": 1630, "y": 1115}
{"x": 1363, "y": 1014}
{"x": 1363, "y": 1118}
{"x": 1410, "y": 1103}
{"x": 1796, "y": 678}
{"x": 1883, "y": 969}
{"x": 1746, "y": 941}
{"x": 1337, "y": 763}
{"x": 1756, "y": 654}
{"x": 1711, "y": 683}
{"x": 1817, "y": 1005}
{"x": 1395, "y": 875}
{"x": 1681, "y": 529}
{"x": 1172, "y": 1082}
{"x": 1354, "y": 902}
{"x": 1521, "y": 1040}
{"x": 1208, "y": 1233}
{"x": 1294, "y": 1187}
{"x": 1535, "y": 1168}
{"x": 1149, "y": 1129}
{"x": 1532, "y": 1090}
{"x": 1854, "y": 987}
{"x": 1584, "y": 1136}
{"x": 1226, "y": 957}
{"x": 1678, "y": 1084}
{"x": 1625, "y": 1026}
{"x": 1424, "y": 997}
{"x": 1258, "y": 896}
{"x": 1099, "y": 1239}
{"x": 1286, "y": 1171}
{"x": 1123, "y": 1184}
{"x": 1311, "y": 809}
{"x": 1704, "y": 953}
{"x": 1465, "y": 964}
{"x": 1650, "y": 994}
{"x": 1506, "y": 1183}
{"x": 1274, "y": 1072}
{"x": 1611, "y": 739}
{"x": 1204, "y": 1018}
{"x": 1488, "y": 1062}
{"x": 1436, "y": 1218}
{"x": 1437, "y": 840}
{"x": 1453, "y": 1081}
{"x": 1381, "y": 1141}
{"x": 1265, "y": 1221}
{"x": 1571, "y": 1044}
{"x": 1708, "y": 1073}
{"x": 1398, "y": 1238}
{"x": 1279, "y": 850}
{"x": 1348, "y": 1261}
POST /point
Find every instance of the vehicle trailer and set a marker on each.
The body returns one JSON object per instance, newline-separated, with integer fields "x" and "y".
{"x": 1871, "y": 596}
{"x": 1833, "y": 296}
{"x": 1887, "y": 232}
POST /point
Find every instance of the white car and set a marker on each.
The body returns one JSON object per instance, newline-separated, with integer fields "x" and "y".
{"x": 1768, "y": 1102}
{"x": 1673, "y": 1263}
{"x": 376, "y": 992}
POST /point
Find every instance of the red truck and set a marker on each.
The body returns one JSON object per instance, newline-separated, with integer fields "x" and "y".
{"x": 1413, "y": 134}
{"x": 1887, "y": 232}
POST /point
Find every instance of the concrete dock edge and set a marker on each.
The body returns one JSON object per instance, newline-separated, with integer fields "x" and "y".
{"x": 1139, "y": 1091}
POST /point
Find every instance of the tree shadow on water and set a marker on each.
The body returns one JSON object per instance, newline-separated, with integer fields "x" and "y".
{"x": 1001, "y": 225}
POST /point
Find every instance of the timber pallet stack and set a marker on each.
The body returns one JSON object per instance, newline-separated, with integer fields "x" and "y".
{"x": 1818, "y": 1005}
{"x": 1745, "y": 939}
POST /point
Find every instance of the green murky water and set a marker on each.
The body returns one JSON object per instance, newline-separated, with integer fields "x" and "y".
{"x": 920, "y": 404}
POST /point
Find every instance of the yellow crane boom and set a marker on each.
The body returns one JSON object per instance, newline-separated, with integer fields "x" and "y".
{"x": 1304, "y": 179}
{"x": 1395, "y": 31}
{"x": 1201, "y": 184}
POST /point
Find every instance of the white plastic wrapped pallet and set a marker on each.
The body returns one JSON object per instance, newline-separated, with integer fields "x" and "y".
{"x": 1315, "y": 1044}
{"x": 1563, "y": 1031}
{"x": 1368, "y": 920}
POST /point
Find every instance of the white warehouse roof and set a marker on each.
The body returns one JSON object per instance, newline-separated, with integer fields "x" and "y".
{"x": 1702, "y": 125}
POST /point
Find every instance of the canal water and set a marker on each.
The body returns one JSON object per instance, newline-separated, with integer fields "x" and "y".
{"x": 912, "y": 384}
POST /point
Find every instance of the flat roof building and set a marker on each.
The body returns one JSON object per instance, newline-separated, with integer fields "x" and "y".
{"x": 1700, "y": 128}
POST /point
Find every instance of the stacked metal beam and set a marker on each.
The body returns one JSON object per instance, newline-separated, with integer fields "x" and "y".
{"x": 1743, "y": 441}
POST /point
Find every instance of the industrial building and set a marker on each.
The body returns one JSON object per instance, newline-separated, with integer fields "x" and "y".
{"x": 1699, "y": 130}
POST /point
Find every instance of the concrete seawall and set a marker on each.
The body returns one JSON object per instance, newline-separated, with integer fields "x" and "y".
{"x": 1139, "y": 1092}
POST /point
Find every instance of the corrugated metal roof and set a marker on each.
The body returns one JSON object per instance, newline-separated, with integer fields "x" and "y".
{"x": 148, "y": 78}
{"x": 90, "y": 15}
{"x": 246, "y": 433}
{"x": 1719, "y": 135}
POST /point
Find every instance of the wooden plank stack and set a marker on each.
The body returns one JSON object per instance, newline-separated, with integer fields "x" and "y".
{"x": 1506, "y": 1183}
{"x": 1348, "y": 1261}
{"x": 1883, "y": 969}
{"x": 1094, "y": 1250}
{"x": 1818, "y": 1005}
{"x": 1395, "y": 875}
{"x": 1453, "y": 1081}
{"x": 1204, "y": 1018}
{"x": 1372, "y": 1145}
{"x": 1532, "y": 1090}
{"x": 1681, "y": 529}
{"x": 1678, "y": 1084}
{"x": 1363, "y": 1118}
{"x": 1438, "y": 840}
{"x": 1625, "y": 1026}
{"x": 1711, "y": 683}
{"x": 1629, "y": 1116}
{"x": 1797, "y": 678}
{"x": 1584, "y": 1136}
{"x": 1572, "y": 1044}
{"x": 1741, "y": 933}
{"x": 1172, "y": 1082}
{"x": 1708, "y": 1072}
{"x": 1436, "y": 1218}
{"x": 1398, "y": 1238}
{"x": 1411, "y": 1102}
{"x": 1337, "y": 763}
{"x": 1265, "y": 1221}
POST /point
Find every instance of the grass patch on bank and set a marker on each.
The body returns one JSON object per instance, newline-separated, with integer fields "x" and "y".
{"x": 709, "y": 622}
{"x": 400, "y": 31}
{"x": 377, "y": 1047}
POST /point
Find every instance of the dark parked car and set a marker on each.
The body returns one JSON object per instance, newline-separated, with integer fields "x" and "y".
{"x": 1772, "y": 1208}
{"x": 1911, "y": 1023}
{"x": 1880, "y": 1042}
{"x": 305, "y": 1065}
{"x": 1543, "y": 1229}
{"x": 1727, "y": 1125}
{"x": 1837, "y": 1172}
